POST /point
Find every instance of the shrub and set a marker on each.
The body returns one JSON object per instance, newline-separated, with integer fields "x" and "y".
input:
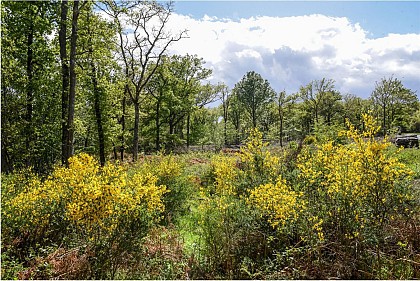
{"x": 354, "y": 191}
{"x": 103, "y": 208}
{"x": 168, "y": 170}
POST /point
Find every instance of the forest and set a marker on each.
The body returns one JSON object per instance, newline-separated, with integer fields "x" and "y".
{"x": 120, "y": 160}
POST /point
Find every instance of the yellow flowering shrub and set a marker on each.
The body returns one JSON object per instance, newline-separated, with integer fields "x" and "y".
{"x": 258, "y": 164}
{"x": 225, "y": 174}
{"x": 354, "y": 185}
{"x": 143, "y": 189}
{"x": 87, "y": 196}
{"x": 278, "y": 202}
{"x": 168, "y": 171}
{"x": 167, "y": 168}
{"x": 21, "y": 207}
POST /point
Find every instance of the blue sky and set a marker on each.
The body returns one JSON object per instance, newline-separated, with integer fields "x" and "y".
{"x": 291, "y": 43}
{"x": 377, "y": 17}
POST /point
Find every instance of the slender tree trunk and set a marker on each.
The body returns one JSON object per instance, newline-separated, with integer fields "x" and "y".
{"x": 29, "y": 96}
{"x": 6, "y": 161}
{"x": 122, "y": 148}
{"x": 157, "y": 125}
{"x": 96, "y": 98}
{"x": 254, "y": 119}
{"x": 98, "y": 112}
{"x": 225, "y": 105}
{"x": 65, "y": 81}
{"x": 136, "y": 131}
{"x": 225, "y": 131}
{"x": 281, "y": 131}
{"x": 114, "y": 150}
{"x": 171, "y": 125}
{"x": 384, "y": 118}
{"x": 72, "y": 91}
{"x": 87, "y": 137}
{"x": 188, "y": 129}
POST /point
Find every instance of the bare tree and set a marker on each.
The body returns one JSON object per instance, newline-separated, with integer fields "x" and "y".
{"x": 144, "y": 38}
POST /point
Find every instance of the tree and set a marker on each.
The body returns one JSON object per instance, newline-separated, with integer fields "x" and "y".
{"x": 235, "y": 111}
{"x": 207, "y": 94}
{"x": 283, "y": 105}
{"x": 96, "y": 60}
{"x": 319, "y": 98}
{"x": 353, "y": 108}
{"x": 65, "y": 74}
{"x": 254, "y": 93}
{"x": 225, "y": 98}
{"x": 177, "y": 92}
{"x": 330, "y": 105}
{"x": 68, "y": 72}
{"x": 142, "y": 54}
{"x": 394, "y": 102}
{"x": 28, "y": 86}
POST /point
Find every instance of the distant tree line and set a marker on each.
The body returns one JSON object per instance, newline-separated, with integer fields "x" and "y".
{"x": 96, "y": 77}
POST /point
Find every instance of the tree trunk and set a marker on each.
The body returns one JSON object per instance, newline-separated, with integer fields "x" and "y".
{"x": 157, "y": 125}
{"x": 98, "y": 112}
{"x": 281, "y": 131}
{"x": 65, "y": 81}
{"x": 6, "y": 161}
{"x": 122, "y": 148}
{"x": 188, "y": 129}
{"x": 114, "y": 150}
{"x": 171, "y": 125}
{"x": 96, "y": 98}
{"x": 384, "y": 118}
{"x": 254, "y": 119}
{"x": 29, "y": 95}
{"x": 87, "y": 137}
{"x": 72, "y": 91}
{"x": 225, "y": 131}
{"x": 136, "y": 131}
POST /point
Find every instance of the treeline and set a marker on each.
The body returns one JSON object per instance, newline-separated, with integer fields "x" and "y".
{"x": 96, "y": 77}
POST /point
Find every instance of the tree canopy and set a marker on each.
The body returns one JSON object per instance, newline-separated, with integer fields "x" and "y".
{"x": 97, "y": 77}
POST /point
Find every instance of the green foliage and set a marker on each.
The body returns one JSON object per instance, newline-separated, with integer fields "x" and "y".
{"x": 394, "y": 104}
{"x": 410, "y": 157}
{"x": 254, "y": 93}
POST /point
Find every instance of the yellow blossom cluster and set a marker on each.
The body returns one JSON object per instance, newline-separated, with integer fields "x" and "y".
{"x": 165, "y": 167}
{"x": 23, "y": 209}
{"x": 225, "y": 174}
{"x": 358, "y": 182}
{"x": 278, "y": 202}
{"x": 87, "y": 195}
{"x": 256, "y": 161}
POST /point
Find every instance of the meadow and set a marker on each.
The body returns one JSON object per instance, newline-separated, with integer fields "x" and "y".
{"x": 345, "y": 206}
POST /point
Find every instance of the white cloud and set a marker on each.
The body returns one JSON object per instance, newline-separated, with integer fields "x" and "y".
{"x": 292, "y": 51}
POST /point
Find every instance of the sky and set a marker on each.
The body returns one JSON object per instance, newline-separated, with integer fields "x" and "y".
{"x": 291, "y": 43}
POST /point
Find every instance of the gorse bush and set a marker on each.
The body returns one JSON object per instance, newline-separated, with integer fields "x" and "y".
{"x": 278, "y": 202}
{"x": 355, "y": 191}
{"x": 85, "y": 195}
{"x": 257, "y": 164}
{"x": 101, "y": 206}
{"x": 359, "y": 182}
{"x": 168, "y": 169}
